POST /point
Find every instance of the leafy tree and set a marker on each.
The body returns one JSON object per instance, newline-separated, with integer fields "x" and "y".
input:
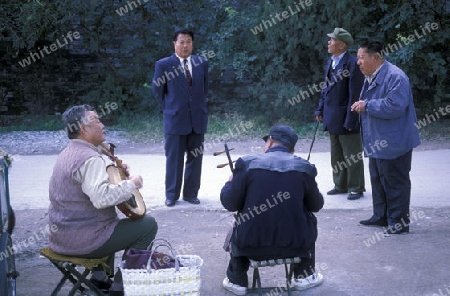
{"x": 258, "y": 72}
{"x": 425, "y": 59}
{"x": 284, "y": 54}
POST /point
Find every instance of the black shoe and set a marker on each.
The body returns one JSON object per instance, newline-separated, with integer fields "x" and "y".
{"x": 335, "y": 191}
{"x": 374, "y": 222}
{"x": 116, "y": 293}
{"x": 170, "y": 203}
{"x": 393, "y": 230}
{"x": 354, "y": 195}
{"x": 192, "y": 200}
{"x": 116, "y": 290}
{"x": 101, "y": 285}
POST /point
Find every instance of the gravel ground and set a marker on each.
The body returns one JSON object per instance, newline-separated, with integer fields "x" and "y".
{"x": 47, "y": 142}
{"x": 52, "y": 142}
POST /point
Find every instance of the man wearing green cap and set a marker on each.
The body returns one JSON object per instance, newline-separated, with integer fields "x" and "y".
{"x": 344, "y": 82}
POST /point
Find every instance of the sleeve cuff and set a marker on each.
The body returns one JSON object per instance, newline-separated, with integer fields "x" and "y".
{"x": 130, "y": 185}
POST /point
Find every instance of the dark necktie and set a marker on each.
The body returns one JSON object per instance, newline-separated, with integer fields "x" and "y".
{"x": 188, "y": 73}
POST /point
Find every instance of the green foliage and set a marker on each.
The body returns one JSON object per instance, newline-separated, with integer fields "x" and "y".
{"x": 144, "y": 128}
{"x": 222, "y": 127}
{"x": 10, "y": 123}
{"x": 255, "y": 72}
{"x": 425, "y": 60}
{"x": 284, "y": 56}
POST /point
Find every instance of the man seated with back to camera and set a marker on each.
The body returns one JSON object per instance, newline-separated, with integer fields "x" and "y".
{"x": 82, "y": 201}
{"x": 274, "y": 195}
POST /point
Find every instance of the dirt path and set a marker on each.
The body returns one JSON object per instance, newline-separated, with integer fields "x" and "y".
{"x": 354, "y": 260}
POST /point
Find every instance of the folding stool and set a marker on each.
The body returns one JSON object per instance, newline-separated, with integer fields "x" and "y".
{"x": 272, "y": 262}
{"x": 67, "y": 265}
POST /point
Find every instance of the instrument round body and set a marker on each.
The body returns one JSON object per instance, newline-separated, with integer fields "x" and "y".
{"x": 134, "y": 208}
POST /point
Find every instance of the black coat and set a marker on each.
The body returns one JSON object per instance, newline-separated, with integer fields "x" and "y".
{"x": 273, "y": 206}
{"x": 344, "y": 85}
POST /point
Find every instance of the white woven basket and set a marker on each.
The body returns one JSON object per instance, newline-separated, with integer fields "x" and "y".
{"x": 164, "y": 282}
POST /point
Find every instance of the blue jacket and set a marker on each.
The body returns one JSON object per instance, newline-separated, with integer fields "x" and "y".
{"x": 184, "y": 109}
{"x": 388, "y": 129}
{"x": 337, "y": 97}
{"x": 274, "y": 194}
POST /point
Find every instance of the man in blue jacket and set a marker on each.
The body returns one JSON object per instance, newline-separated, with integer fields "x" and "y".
{"x": 274, "y": 195}
{"x": 389, "y": 134}
{"x": 180, "y": 85}
{"x": 343, "y": 83}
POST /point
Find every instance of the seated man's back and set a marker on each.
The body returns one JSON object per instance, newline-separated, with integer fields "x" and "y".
{"x": 275, "y": 195}
{"x": 274, "y": 207}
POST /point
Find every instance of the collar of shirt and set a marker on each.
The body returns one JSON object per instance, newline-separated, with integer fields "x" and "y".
{"x": 188, "y": 62}
{"x": 374, "y": 74}
{"x": 336, "y": 60}
{"x": 87, "y": 144}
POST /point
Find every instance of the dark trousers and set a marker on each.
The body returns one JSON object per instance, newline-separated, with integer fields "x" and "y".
{"x": 348, "y": 170}
{"x": 391, "y": 188}
{"x": 136, "y": 234}
{"x": 238, "y": 267}
{"x": 176, "y": 146}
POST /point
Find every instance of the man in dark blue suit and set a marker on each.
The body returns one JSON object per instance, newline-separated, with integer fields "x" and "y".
{"x": 180, "y": 85}
{"x": 342, "y": 86}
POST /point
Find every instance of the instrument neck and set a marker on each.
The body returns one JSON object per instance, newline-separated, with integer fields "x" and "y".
{"x": 109, "y": 151}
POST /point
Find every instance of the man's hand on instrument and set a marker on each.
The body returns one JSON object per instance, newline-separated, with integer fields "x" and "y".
{"x": 319, "y": 118}
{"x": 126, "y": 169}
{"x": 137, "y": 180}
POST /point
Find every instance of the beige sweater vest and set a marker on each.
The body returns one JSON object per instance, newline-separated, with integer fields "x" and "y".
{"x": 81, "y": 228}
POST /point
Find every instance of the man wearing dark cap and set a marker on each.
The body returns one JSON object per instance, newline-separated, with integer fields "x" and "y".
{"x": 344, "y": 82}
{"x": 274, "y": 195}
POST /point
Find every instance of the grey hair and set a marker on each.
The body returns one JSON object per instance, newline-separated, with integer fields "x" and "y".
{"x": 73, "y": 118}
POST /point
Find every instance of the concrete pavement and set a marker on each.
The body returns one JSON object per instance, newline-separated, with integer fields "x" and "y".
{"x": 355, "y": 260}
{"x": 29, "y": 178}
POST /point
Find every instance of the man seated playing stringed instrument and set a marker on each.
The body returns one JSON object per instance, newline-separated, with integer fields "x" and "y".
{"x": 83, "y": 201}
{"x": 275, "y": 195}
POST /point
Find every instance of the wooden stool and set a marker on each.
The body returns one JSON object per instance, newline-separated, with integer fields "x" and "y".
{"x": 67, "y": 265}
{"x": 272, "y": 262}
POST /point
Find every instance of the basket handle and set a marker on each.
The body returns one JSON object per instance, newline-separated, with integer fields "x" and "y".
{"x": 154, "y": 245}
{"x": 163, "y": 242}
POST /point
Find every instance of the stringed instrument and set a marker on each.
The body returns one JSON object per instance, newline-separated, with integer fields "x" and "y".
{"x": 134, "y": 208}
{"x": 227, "y": 152}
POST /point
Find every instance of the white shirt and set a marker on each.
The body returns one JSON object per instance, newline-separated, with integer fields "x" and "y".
{"x": 188, "y": 63}
{"x": 95, "y": 184}
{"x": 336, "y": 60}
